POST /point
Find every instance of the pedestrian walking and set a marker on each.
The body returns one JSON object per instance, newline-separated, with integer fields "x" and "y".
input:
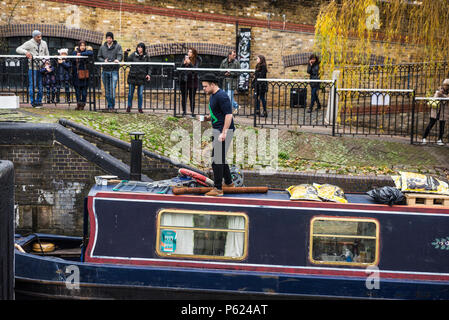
{"x": 439, "y": 112}
{"x": 189, "y": 80}
{"x": 261, "y": 87}
{"x": 138, "y": 75}
{"x": 80, "y": 72}
{"x": 230, "y": 83}
{"x": 110, "y": 51}
{"x": 220, "y": 110}
{"x": 313, "y": 68}
{"x": 33, "y": 48}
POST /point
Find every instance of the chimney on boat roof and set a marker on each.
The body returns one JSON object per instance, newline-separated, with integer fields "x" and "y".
{"x": 136, "y": 156}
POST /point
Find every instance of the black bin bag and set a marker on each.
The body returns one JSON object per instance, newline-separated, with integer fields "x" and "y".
{"x": 387, "y": 195}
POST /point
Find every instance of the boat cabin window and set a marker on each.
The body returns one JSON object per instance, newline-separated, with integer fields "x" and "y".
{"x": 344, "y": 241}
{"x": 202, "y": 234}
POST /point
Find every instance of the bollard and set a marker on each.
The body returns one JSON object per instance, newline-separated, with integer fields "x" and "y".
{"x": 136, "y": 156}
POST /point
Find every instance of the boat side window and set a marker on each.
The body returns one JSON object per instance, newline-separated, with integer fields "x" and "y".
{"x": 344, "y": 241}
{"x": 202, "y": 234}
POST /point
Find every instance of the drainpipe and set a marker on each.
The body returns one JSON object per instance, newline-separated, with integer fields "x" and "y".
{"x": 136, "y": 156}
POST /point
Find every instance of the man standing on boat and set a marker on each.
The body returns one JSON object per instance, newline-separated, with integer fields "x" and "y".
{"x": 223, "y": 130}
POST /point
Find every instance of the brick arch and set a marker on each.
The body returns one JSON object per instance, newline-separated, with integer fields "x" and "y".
{"x": 161, "y": 49}
{"x": 51, "y": 30}
{"x": 303, "y": 58}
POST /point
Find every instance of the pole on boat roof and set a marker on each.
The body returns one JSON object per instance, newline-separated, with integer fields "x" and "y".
{"x": 136, "y": 156}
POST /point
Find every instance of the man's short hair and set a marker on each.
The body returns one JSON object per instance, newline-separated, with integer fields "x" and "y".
{"x": 209, "y": 77}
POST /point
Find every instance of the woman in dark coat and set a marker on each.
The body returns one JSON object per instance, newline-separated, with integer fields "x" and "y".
{"x": 261, "y": 87}
{"x": 313, "y": 68}
{"x": 189, "y": 80}
{"x": 81, "y": 85}
{"x": 138, "y": 75}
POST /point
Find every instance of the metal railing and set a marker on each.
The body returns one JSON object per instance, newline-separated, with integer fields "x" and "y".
{"x": 289, "y": 101}
{"x": 157, "y": 93}
{"x": 353, "y": 111}
{"x": 17, "y": 77}
{"x": 421, "y": 77}
{"x": 375, "y": 112}
{"x": 426, "y": 109}
{"x": 189, "y": 94}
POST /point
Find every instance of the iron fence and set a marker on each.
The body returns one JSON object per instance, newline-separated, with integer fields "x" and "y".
{"x": 291, "y": 102}
{"x": 157, "y": 93}
{"x": 375, "y": 112}
{"x": 424, "y": 77}
{"x": 364, "y": 111}
{"x": 431, "y": 120}
{"x": 191, "y": 99}
{"x": 28, "y": 79}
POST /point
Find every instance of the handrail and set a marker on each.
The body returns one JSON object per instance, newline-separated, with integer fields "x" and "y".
{"x": 375, "y": 90}
{"x": 216, "y": 70}
{"x": 432, "y": 98}
{"x": 294, "y": 80}
{"x": 45, "y": 57}
{"x": 134, "y": 63}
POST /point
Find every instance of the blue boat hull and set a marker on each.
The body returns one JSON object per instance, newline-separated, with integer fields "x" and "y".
{"x": 52, "y": 278}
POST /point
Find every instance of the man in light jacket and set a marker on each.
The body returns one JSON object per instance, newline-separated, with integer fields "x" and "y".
{"x": 33, "y": 48}
{"x": 230, "y": 83}
{"x": 110, "y": 51}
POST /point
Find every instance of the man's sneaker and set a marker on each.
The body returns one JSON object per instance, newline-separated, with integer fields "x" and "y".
{"x": 424, "y": 141}
{"x": 215, "y": 193}
{"x": 440, "y": 143}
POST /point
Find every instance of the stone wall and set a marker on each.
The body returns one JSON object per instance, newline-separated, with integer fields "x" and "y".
{"x": 214, "y": 22}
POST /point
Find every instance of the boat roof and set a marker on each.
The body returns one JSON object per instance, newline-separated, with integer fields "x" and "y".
{"x": 271, "y": 194}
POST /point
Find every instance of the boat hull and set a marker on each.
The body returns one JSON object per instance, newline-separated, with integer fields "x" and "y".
{"x": 48, "y": 278}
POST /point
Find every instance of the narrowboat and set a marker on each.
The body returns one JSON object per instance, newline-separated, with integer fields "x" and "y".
{"x": 141, "y": 244}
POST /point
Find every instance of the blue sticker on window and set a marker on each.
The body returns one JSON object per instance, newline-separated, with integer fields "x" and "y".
{"x": 168, "y": 241}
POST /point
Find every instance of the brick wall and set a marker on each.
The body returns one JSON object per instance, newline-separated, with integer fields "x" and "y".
{"x": 51, "y": 182}
{"x": 178, "y": 22}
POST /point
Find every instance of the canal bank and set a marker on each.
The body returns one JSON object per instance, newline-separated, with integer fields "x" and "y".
{"x": 57, "y": 165}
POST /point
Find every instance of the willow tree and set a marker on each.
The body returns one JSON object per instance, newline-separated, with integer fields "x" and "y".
{"x": 348, "y": 32}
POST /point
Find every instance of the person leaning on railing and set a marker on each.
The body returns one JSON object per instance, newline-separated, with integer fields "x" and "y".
{"x": 439, "y": 111}
{"x": 33, "y": 48}
{"x": 138, "y": 75}
{"x": 261, "y": 87}
{"x": 110, "y": 51}
{"x": 80, "y": 73}
{"x": 189, "y": 80}
{"x": 230, "y": 83}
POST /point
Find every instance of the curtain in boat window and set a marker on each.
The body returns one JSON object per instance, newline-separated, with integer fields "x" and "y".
{"x": 235, "y": 240}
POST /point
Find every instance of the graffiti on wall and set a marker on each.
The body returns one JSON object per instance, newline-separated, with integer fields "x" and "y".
{"x": 244, "y": 54}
